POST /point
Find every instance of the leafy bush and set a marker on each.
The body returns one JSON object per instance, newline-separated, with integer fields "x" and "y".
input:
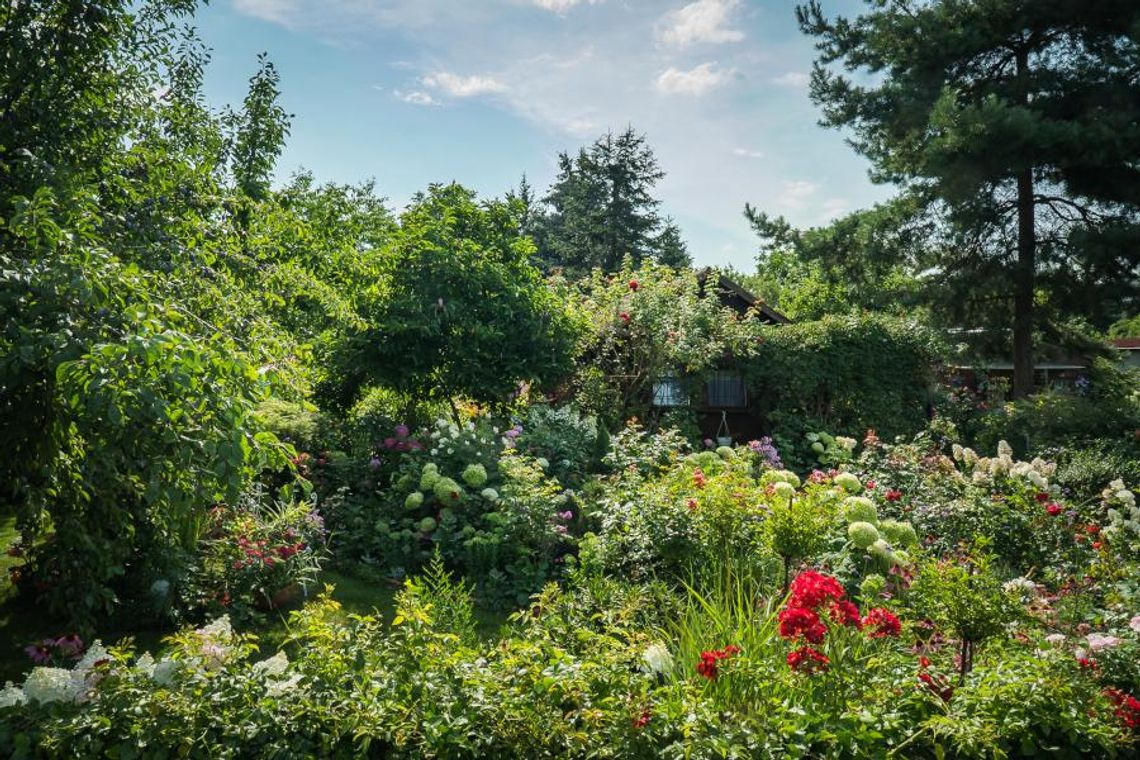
{"x": 842, "y": 373}
{"x": 571, "y": 442}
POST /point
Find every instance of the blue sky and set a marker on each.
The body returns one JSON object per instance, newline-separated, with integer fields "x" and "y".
{"x": 411, "y": 92}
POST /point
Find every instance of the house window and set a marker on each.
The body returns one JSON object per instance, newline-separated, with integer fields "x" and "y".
{"x": 667, "y": 391}
{"x": 726, "y": 389}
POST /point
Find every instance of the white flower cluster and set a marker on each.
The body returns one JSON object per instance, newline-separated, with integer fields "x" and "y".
{"x": 984, "y": 469}
{"x": 44, "y": 685}
{"x": 447, "y": 438}
{"x": 1123, "y": 514}
{"x": 1022, "y": 588}
{"x": 656, "y": 659}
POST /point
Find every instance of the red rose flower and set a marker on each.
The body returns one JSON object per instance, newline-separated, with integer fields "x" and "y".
{"x": 1053, "y": 509}
{"x": 634, "y": 285}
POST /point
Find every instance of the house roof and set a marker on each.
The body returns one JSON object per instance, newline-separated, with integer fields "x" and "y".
{"x": 737, "y": 296}
{"x": 1126, "y": 344}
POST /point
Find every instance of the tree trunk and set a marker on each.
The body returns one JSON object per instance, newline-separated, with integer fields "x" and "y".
{"x": 1026, "y": 265}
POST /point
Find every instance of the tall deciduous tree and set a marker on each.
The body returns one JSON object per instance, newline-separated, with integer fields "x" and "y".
{"x": 601, "y": 209}
{"x": 1017, "y": 120}
{"x": 457, "y": 309}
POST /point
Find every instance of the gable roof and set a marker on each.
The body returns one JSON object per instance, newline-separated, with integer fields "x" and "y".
{"x": 736, "y": 296}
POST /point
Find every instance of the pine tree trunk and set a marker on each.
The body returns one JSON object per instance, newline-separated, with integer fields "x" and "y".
{"x": 1026, "y": 265}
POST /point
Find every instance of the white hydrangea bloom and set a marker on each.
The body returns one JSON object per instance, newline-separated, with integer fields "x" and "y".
{"x": 1134, "y": 623}
{"x": 45, "y": 685}
{"x": 219, "y": 630}
{"x": 273, "y": 666}
{"x": 276, "y": 688}
{"x": 1004, "y": 449}
{"x": 656, "y": 659}
{"x": 969, "y": 456}
{"x": 957, "y": 451}
{"x": 12, "y": 695}
{"x": 1055, "y": 639}
{"x": 164, "y": 670}
{"x": 1022, "y": 588}
{"x": 145, "y": 664}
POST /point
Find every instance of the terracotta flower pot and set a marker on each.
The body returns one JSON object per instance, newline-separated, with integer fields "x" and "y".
{"x": 282, "y": 597}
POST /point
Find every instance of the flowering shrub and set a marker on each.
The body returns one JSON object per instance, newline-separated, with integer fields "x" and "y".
{"x": 254, "y": 557}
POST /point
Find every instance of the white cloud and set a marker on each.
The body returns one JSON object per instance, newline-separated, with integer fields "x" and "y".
{"x": 560, "y": 6}
{"x": 747, "y": 153}
{"x": 416, "y": 98}
{"x": 700, "y": 21}
{"x": 695, "y": 81}
{"x": 795, "y": 79}
{"x": 796, "y": 193}
{"x": 277, "y": 11}
{"x": 459, "y": 86}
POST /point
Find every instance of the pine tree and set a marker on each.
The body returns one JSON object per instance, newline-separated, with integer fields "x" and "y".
{"x": 1018, "y": 121}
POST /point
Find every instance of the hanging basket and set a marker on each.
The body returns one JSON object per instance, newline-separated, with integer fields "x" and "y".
{"x": 723, "y": 436}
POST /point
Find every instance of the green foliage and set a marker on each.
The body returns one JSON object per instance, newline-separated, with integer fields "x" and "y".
{"x": 978, "y": 112}
{"x": 842, "y": 373}
{"x": 457, "y": 309}
{"x": 565, "y": 438}
{"x": 645, "y": 324}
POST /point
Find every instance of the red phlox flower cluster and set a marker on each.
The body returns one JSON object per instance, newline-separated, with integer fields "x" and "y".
{"x": 798, "y": 622}
{"x": 811, "y": 589}
{"x": 700, "y": 480}
{"x": 893, "y": 494}
{"x": 881, "y": 622}
{"x": 1127, "y": 707}
{"x": 710, "y": 660}
{"x": 807, "y": 660}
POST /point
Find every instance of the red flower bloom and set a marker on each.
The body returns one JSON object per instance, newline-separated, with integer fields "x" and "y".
{"x": 710, "y": 659}
{"x": 1053, "y": 509}
{"x": 845, "y": 612}
{"x": 624, "y": 316}
{"x": 1086, "y": 663}
{"x": 1092, "y": 529}
{"x": 634, "y": 285}
{"x": 641, "y": 720}
{"x": 1042, "y": 497}
{"x": 870, "y": 484}
{"x": 893, "y": 494}
{"x": 807, "y": 660}
{"x": 691, "y": 504}
{"x": 799, "y": 622}
{"x": 811, "y": 589}
{"x": 700, "y": 479}
{"x": 881, "y": 622}
{"x": 1127, "y": 707}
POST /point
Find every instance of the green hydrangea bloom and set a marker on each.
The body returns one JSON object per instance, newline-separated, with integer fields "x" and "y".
{"x": 429, "y": 477}
{"x": 427, "y": 525}
{"x": 415, "y": 500}
{"x": 490, "y": 494}
{"x": 882, "y": 549}
{"x": 872, "y": 586}
{"x": 860, "y": 509}
{"x": 447, "y": 491}
{"x": 848, "y": 482}
{"x": 406, "y": 483}
{"x": 543, "y": 463}
{"x": 725, "y": 452}
{"x": 899, "y": 533}
{"x": 862, "y": 534}
{"x": 475, "y": 475}
{"x": 784, "y": 489}
{"x": 789, "y": 477}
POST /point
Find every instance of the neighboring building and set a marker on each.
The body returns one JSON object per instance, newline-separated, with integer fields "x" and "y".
{"x": 1129, "y": 349}
{"x": 723, "y": 398}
